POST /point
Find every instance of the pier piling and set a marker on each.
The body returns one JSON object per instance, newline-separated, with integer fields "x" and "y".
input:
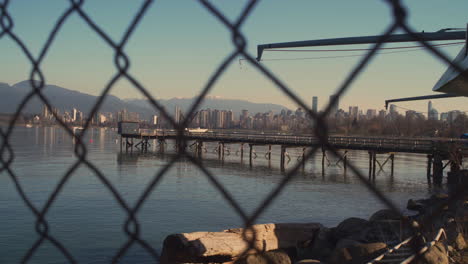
{"x": 429, "y": 165}
{"x": 283, "y": 151}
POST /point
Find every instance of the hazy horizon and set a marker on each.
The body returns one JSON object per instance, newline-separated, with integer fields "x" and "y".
{"x": 176, "y": 60}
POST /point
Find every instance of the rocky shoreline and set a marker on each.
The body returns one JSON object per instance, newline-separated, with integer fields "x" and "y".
{"x": 354, "y": 240}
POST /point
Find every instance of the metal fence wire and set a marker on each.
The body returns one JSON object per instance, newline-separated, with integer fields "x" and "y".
{"x": 122, "y": 64}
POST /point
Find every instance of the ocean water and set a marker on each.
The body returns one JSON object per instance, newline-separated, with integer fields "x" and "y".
{"x": 88, "y": 221}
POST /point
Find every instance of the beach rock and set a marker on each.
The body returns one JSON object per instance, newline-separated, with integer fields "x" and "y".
{"x": 320, "y": 247}
{"x": 226, "y": 245}
{"x": 384, "y": 230}
{"x": 460, "y": 242}
{"x": 345, "y": 242}
{"x": 385, "y": 214}
{"x": 351, "y": 228}
{"x": 436, "y": 254}
{"x": 358, "y": 253}
{"x": 415, "y": 205}
{"x": 270, "y": 257}
{"x": 309, "y": 261}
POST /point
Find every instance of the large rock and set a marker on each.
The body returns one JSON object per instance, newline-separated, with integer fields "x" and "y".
{"x": 351, "y": 228}
{"x": 460, "y": 242}
{"x": 320, "y": 247}
{"x": 309, "y": 261}
{"x": 270, "y": 257}
{"x": 345, "y": 242}
{"x": 417, "y": 205}
{"x": 226, "y": 245}
{"x": 384, "y": 230}
{"x": 436, "y": 254}
{"x": 385, "y": 214}
{"x": 357, "y": 254}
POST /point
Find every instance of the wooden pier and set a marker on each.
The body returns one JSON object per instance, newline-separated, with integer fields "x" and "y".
{"x": 441, "y": 152}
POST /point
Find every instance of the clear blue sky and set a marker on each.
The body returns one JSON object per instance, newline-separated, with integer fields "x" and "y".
{"x": 179, "y": 44}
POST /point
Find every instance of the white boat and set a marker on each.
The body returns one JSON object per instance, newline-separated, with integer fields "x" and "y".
{"x": 197, "y": 130}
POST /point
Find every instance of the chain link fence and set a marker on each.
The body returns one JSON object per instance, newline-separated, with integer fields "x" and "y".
{"x": 122, "y": 64}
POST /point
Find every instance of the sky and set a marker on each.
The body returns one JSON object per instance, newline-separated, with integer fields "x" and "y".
{"x": 179, "y": 44}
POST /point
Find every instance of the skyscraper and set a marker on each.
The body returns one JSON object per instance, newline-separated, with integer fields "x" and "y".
{"x": 177, "y": 116}
{"x": 336, "y": 106}
{"x": 429, "y": 108}
{"x": 314, "y": 104}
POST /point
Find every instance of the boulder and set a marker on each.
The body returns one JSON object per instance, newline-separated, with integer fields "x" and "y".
{"x": 460, "y": 242}
{"x": 384, "y": 230}
{"x": 358, "y": 253}
{"x": 385, "y": 214}
{"x": 415, "y": 205}
{"x": 270, "y": 257}
{"x": 226, "y": 245}
{"x": 309, "y": 261}
{"x": 436, "y": 254}
{"x": 351, "y": 228}
{"x": 345, "y": 242}
{"x": 320, "y": 247}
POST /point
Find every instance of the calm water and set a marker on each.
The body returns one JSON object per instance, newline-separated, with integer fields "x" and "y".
{"x": 88, "y": 221}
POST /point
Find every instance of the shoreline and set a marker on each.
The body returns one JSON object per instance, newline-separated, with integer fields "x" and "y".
{"x": 351, "y": 240}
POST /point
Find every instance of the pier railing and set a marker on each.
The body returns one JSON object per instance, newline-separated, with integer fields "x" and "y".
{"x": 234, "y": 27}
{"x": 389, "y": 144}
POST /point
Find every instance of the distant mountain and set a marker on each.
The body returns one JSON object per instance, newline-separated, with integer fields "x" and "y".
{"x": 61, "y": 98}
{"x": 65, "y": 99}
{"x": 214, "y": 103}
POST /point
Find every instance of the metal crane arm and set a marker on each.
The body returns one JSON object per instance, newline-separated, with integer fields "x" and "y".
{"x": 432, "y": 36}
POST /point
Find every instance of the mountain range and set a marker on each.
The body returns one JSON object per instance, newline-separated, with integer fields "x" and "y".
{"x": 65, "y": 99}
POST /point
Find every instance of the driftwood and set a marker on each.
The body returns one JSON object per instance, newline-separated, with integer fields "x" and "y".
{"x": 228, "y": 244}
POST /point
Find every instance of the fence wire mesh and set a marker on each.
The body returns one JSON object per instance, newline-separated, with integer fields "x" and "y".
{"x": 122, "y": 64}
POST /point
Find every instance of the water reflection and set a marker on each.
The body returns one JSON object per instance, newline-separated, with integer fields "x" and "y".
{"x": 88, "y": 220}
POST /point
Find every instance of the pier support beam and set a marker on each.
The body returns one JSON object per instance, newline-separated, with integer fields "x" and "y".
{"x": 429, "y": 166}
{"x": 324, "y": 154}
{"x": 303, "y": 157}
{"x": 345, "y": 160}
{"x": 374, "y": 155}
{"x": 199, "y": 148}
{"x": 242, "y": 152}
{"x": 269, "y": 152}
{"x": 219, "y": 150}
{"x": 250, "y": 154}
{"x": 370, "y": 165}
{"x": 222, "y": 151}
{"x": 283, "y": 157}
{"x": 438, "y": 170}
{"x": 161, "y": 143}
{"x": 392, "y": 159}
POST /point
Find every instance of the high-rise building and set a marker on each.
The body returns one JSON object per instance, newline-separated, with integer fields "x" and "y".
{"x": 45, "y": 112}
{"x": 154, "y": 120}
{"x": 429, "y": 108}
{"x": 393, "y": 112}
{"x": 314, "y": 104}
{"x": 433, "y": 114}
{"x": 177, "y": 114}
{"x": 371, "y": 113}
{"x": 229, "y": 119}
{"x": 74, "y": 115}
{"x": 243, "y": 118}
{"x": 353, "y": 112}
{"x": 336, "y": 106}
{"x": 382, "y": 113}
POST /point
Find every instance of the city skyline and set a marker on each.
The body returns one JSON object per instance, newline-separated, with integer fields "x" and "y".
{"x": 165, "y": 75}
